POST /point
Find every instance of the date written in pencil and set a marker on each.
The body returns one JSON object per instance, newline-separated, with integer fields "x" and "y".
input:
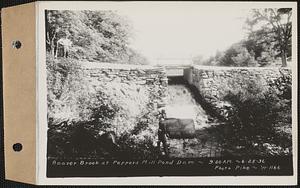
{"x": 242, "y": 161}
{"x": 241, "y": 165}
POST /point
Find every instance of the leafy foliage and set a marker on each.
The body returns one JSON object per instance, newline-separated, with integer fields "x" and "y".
{"x": 90, "y": 35}
{"x": 269, "y": 38}
{"x": 278, "y": 26}
{"x": 137, "y": 148}
{"x": 78, "y": 113}
{"x": 283, "y": 87}
{"x": 73, "y": 109}
{"x": 237, "y": 55}
{"x": 257, "y": 117}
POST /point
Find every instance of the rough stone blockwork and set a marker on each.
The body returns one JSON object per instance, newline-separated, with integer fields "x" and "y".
{"x": 213, "y": 83}
{"x": 153, "y": 77}
{"x": 140, "y": 90}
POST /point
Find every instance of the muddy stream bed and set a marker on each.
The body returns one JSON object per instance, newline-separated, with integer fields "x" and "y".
{"x": 181, "y": 104}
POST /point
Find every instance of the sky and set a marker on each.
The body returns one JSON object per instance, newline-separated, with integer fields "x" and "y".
{"x": 172, "y": 33}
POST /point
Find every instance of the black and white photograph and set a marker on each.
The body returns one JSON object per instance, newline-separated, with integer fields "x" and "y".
{"x": 169, "y": 90}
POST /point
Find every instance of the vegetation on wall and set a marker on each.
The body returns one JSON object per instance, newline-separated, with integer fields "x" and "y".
{"x": 259, "y": 122}
{"x": 80, "y": 112}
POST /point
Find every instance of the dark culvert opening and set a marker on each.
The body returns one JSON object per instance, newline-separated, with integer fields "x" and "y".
{"x": 176, "y": 80}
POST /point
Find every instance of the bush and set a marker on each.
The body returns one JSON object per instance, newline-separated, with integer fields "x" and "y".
{"x": 138, "y": 147}
{"x": 78, "y": 109}
{"x": 283, "y": 86}
{"x": 74, "y": 108}
{"x": 237, "y": 55}
{"x": 255, "y": 117}
{"x": 139, "y": 143}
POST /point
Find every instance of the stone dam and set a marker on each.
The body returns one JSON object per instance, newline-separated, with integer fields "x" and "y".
{"x": 194, "y": 92}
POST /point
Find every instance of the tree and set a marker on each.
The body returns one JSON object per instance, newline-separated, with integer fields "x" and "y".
{"x": 101, "y": 36}
{"x": 113, "y": 32}
{"x": 238, "y": 56}
{"x": 54, "y": 21}
{"x": 276, "y": 25}
{"x": 262, "y": 45}
{"x": 61, "y": 25}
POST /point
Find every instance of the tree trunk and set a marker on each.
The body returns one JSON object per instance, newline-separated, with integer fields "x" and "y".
{"x": 56, "y": 51}
{"x": 65, "y": 52}
{"x": 283, "y": 59}
{"x": 52, "y": 50}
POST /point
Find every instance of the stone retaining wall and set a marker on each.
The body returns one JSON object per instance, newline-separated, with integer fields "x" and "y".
{"x": 139, "y": 90}
{"x": 213, "y": 83}
{"x": 146, "y": 76}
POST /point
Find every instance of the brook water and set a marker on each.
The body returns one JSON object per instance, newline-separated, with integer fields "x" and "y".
{"x": 182, "y": 104}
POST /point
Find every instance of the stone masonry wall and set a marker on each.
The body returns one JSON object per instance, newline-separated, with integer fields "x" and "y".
{"x": 153, "y": 77}
{"x": 138, "y": 90}
{"x": 85, "y": 99}
{"x": 213, "y": 83}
